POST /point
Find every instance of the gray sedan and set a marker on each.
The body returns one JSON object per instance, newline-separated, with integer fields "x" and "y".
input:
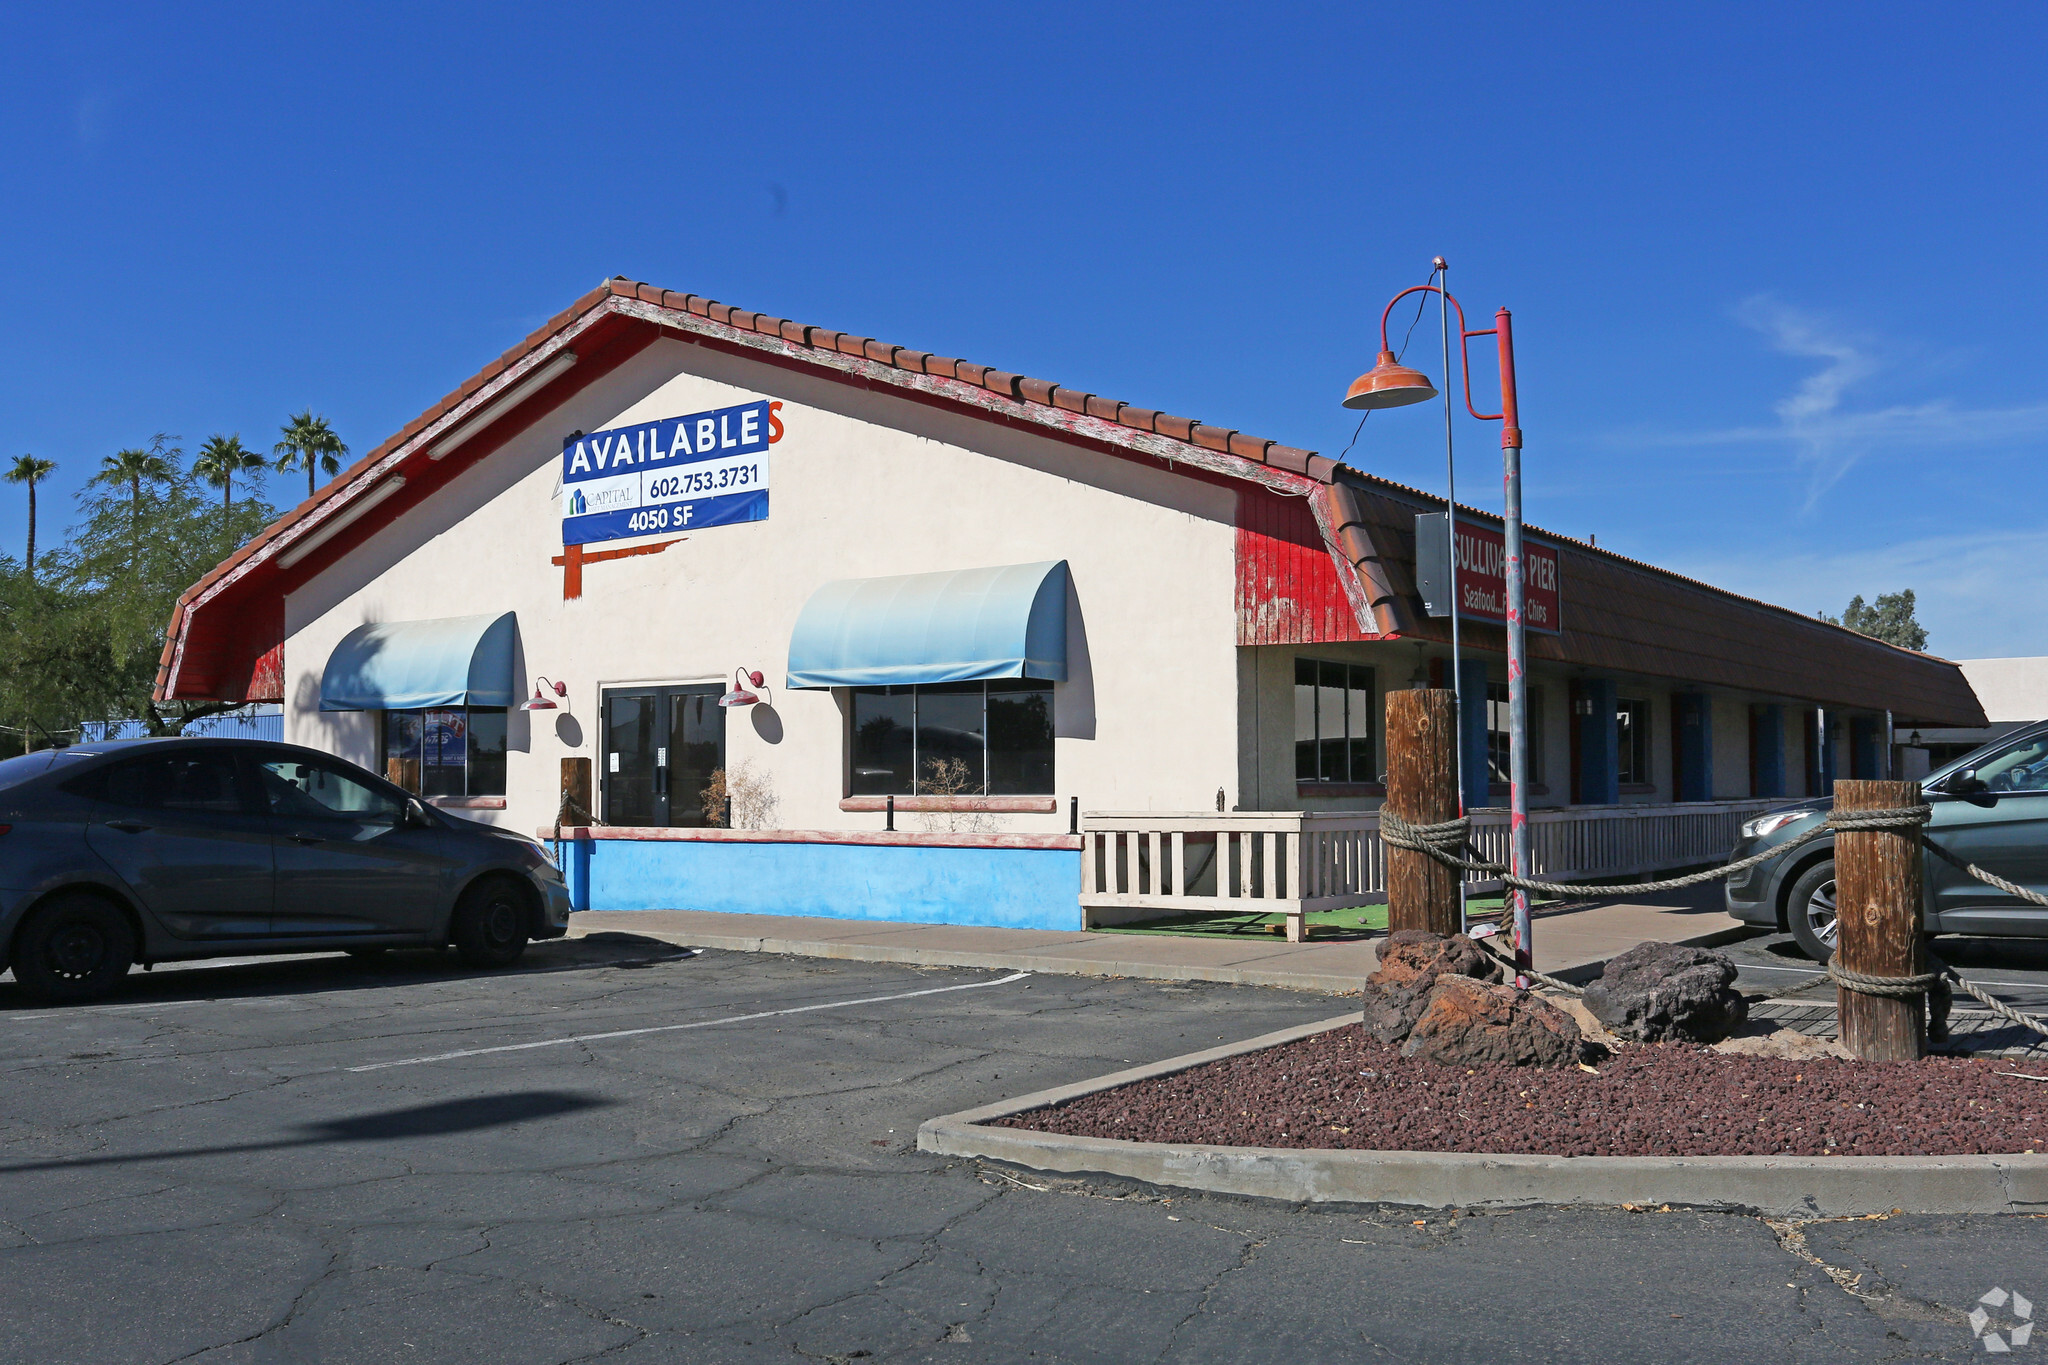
{"x": 1990, "y": 808}
{"x": 161, "y": 849}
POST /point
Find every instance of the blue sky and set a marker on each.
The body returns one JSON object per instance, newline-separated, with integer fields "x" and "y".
{"x": 1775, "y": 269}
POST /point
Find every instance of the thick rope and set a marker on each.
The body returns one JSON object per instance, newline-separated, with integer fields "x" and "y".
{"x": 1445, "y": 840}
{"x": 1434, "y": 841}
{"x": 1567, "y": 987}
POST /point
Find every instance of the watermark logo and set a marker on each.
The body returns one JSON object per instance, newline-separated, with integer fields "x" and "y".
{"x": 1998, "y": 1338}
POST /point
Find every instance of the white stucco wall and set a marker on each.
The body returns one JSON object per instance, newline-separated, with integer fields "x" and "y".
{"x": 2010, "y": 689}
{"x": 862, "y": 484}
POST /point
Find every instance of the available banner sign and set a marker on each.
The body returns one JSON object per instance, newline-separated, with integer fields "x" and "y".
{"x": 681, "y": 473}
{"x": 1482, "y": 574}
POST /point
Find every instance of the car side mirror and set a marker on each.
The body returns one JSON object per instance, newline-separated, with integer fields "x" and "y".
{"x": 1969, "y": 786}
{"x": 416, "y": 815}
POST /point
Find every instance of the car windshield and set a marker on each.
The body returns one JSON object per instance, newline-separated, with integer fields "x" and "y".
{"x": 23, "y": 767}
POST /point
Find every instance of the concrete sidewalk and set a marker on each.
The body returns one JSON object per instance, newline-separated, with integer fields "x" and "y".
{"x": 1572, "y": 943}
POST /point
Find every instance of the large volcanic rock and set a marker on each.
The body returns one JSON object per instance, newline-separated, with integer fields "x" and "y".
{"x": 1659, "y": 991}
{"x": 1466, "y": 1022}
{"x": 1411, "y": 960}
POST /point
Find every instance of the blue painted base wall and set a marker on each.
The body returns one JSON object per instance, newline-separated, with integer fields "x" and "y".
{"x": 1010, "y": 888}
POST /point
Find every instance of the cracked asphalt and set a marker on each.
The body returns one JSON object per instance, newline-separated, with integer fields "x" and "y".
{"x": 193, "y": 1172}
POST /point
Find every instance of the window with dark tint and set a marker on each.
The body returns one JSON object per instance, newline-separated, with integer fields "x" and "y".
{"x": 201, "y": 783}
{"x": 969, "y": 739}
{"x": 314, "y": 791}
{"x": 1632, "y": 741}
{"x": 446, "y": 751}
{"x": 1498, "y": 729}
{"x": 1333, "y": 730}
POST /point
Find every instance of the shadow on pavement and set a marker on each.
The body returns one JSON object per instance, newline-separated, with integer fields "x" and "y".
{"x": 441, "y": 1119}
{"x": 303, "y": 974}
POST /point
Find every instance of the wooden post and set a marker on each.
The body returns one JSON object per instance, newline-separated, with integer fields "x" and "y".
{"x": 1422, "y": 788}
{"x": 1877, "y": 897}
{"x": 577, "y": 807}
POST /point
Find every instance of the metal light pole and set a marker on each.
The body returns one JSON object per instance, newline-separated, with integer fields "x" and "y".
{"x": 1390, "y": 384}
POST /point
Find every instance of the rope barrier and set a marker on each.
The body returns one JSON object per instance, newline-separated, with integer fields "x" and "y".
{"x": 1445, "y": 840}
{"x": 1486, "y": 944}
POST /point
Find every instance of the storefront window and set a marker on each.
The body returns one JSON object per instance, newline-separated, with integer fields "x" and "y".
{"x": 1497, "y": 733}
{"x": 449, "y": 751}
{"x": 1333, "y": 730}
{"x": 1632, "y": 741}
{"x": 955, "y": 739}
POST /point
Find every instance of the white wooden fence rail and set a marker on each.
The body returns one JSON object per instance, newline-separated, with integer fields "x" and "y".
{"x": 1148, "y": 864}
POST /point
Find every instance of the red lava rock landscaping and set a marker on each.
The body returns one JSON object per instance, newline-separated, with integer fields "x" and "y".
{"x": 1345, "y": 1089}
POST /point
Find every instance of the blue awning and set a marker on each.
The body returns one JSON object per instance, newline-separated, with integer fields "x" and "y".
{"x": 404, "y": 665}
{"x": 1005, "y": 622}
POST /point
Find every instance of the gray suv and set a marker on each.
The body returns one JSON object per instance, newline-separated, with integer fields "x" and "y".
{"x": 159, "y": 849}
{"x": 1990, "y": 808}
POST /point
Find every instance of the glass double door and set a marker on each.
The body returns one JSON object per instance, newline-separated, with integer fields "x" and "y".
{"x": 661, "y": 747}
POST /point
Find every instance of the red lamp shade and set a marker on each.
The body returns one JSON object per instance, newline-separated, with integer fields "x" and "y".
{"x": 540, "y": 701}
{"x": 1389, "y": 384}
{"x": 740, "y": 694}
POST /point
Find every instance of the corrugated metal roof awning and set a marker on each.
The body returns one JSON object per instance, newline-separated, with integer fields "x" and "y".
{"x": 1009, "y": 621}
{"x": 404, "y": 665}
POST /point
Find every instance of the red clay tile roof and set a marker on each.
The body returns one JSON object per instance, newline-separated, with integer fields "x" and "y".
{"x": 1041, "y": 403}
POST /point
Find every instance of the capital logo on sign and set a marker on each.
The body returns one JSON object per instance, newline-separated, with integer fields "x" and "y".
{"x": 680, "y": 473}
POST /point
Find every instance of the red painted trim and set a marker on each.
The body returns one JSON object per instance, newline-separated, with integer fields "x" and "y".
{"x": 876, "y": 837}
{"x": 1288, "y": 588}
{"x": 1002, "y": 805}
{"x": 467, "y": 802}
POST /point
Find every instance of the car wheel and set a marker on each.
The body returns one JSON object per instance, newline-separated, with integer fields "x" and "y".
{"x": 489, "y": 925}
{"x": 73, "y": 947}
{"x": 1810, "y": 911}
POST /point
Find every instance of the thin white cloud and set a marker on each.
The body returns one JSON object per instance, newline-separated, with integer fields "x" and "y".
{"x": 1972, "y": 590}
{"x": 1827, "y": 436}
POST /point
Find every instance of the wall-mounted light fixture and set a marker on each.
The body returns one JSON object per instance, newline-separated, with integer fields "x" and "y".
{"x": 743, "y": 682}
{"x": 541, "y": 701}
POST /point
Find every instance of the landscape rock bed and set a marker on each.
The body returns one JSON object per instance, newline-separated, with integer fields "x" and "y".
{"x": 1345, "y": 1089}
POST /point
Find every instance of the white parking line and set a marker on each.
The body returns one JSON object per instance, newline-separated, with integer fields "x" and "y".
{"x": 672, "y": 1028}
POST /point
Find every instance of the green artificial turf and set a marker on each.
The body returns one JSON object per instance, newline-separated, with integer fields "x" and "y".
{"x": 1355, "y": 921}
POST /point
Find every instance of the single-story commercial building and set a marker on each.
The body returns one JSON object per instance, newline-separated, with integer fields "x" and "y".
{"x": 979, "y": 604}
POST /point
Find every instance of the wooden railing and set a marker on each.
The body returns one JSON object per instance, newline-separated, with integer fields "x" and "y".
{"x": 1138, "y": 865}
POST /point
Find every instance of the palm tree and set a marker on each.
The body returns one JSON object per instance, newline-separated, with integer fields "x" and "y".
{"x": 27, "y": 469}
{"x": 133, "y": 467}
{"x": 220, "y": 459}
{"x": 309, "y": 442}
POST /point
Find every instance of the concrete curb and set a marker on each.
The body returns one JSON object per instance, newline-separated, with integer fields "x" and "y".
{"x": 1797, "y": 1187}
{"x": 1337, "y": 983}
{"x": 1334, "y": 983}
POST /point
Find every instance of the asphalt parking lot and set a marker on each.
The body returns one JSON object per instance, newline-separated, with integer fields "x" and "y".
{"x": 625, "y": 1152}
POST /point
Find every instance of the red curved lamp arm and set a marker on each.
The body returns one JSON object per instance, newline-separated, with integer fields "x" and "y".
{"x": 1465, "y": 334}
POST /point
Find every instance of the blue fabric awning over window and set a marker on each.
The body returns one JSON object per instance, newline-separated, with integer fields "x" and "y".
{"x": 404, "y": 665}
{"x": 1004, "y": 622}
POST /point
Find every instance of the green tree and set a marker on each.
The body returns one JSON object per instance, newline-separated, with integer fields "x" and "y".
{"x": 220, "y": 460}
{"x": 134, "y": 468}
{"x": 29, "y": 470}
{"x": 123, "y": 567}
{"x": 1890, "y": 619}
{"x": 311, "y": 444}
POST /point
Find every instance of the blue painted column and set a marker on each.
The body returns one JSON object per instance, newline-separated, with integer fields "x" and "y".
{"x": 1693, "y": 714}
{"x": 1770, "y": 751}
{"x": 1866, "y": 747}
{"x": 1599, "y": 754}
{"x": 1472, "y": 775}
